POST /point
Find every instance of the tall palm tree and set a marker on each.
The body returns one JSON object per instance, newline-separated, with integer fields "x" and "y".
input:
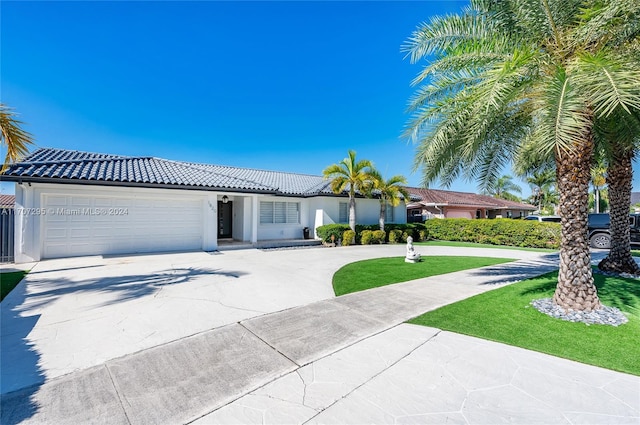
{"x": 541, "y": 182}
{"x": 624, "y": 140}
{"x": 350, "y": 175}
{"x": 619, "y": 180}
{"x": 598, "y": 180}
{"x": 503, "y": 188}
{"x": 12, "y": 136}
{"x": 519, "y": 74}
{"x": 391, "y": 192}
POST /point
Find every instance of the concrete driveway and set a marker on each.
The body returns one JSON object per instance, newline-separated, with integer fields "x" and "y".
{"x": 71, "y": 314}
{"x": 350, "y": 359}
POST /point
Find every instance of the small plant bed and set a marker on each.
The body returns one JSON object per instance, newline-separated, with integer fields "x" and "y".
{"x": 376, "y": 272}
{"x": 483, "y": 245}
{"x": 505, "y": 315}
{"x": 635, "y": 252}
{"x": 8, "y": 281}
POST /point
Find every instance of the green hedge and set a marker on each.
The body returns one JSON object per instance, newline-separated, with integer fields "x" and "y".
{"x": 500, "y": 231}
{"x": 337, "y": 230}
{"x": 416, "y": 230}
{"x": 411, "y": 229}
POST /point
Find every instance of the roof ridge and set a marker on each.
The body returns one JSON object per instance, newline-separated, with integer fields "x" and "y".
{"x": 197, "y": 167}
{"x": 255, "y": 169}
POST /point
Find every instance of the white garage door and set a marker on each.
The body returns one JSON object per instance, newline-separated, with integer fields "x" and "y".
{"x": 94, "y": 225}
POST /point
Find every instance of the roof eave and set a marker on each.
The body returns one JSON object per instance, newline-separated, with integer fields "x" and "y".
{"x": 111, "y": 183}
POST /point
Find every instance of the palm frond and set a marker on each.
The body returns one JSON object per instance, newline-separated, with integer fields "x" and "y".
{"x": 609, "y": 83}
{"x": 13, "y": 136}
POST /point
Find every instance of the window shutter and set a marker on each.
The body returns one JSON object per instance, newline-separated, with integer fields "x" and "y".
{"x": 266, "y": 212}
{"x": 343, "y": 212}
{"x": 293, "y": 212}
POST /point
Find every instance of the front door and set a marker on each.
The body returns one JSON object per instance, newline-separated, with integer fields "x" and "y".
{"x": 225, "y": 219}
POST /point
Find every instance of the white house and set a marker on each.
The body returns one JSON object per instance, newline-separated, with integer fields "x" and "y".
{"x": 71, "y": 203}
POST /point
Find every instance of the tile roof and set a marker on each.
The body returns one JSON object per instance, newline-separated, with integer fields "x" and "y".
{"x": 451, "y": 198}
{"x": 47, "y": 164}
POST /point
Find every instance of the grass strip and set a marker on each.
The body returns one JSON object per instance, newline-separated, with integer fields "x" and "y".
{"x": 505, "y": 315}
{"x": 481, "y": 245}
{"x": 367, "y": 274}
{"x": 8, "y": 281}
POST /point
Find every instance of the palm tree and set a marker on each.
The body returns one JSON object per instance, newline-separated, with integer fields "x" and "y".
{"x": 391, "y": 192}
{"x": 598, "y": 180}
{"x": 625, "y": 141}
{"x": 503, "y": 187}
{"x": 541, "y": 183}
{"x": 350, "y": 175}
{"x": 517, "y": 75}
{"x": 13, "y": 136}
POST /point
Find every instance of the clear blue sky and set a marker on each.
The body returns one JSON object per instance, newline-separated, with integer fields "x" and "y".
{"x": 273, "y": 85}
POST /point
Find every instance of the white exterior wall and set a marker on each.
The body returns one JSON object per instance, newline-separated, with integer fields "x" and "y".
{"x": 37, "y": 210}
{"x": 33, "y": 227}
{"x": 237, "y": 226}
{"x": 270, "y": 231}
{"x": 325, "y": 210}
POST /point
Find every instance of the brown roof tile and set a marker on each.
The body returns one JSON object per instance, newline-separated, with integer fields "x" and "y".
{"x": 448, "y": 197}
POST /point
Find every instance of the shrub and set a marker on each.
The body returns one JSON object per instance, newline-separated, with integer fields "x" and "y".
{"x": 423, "y": 235}
{"x": 501, "y": 231}
{"x": 325, "y": 232}
{"x": 395, "y": 236}
{"x": 366, "y": 237}
{"x": 348, "y": 237}
{"x": 412, "y": 229}
{"x": 379, "y": 236}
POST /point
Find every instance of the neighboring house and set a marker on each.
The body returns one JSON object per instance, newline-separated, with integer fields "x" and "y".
{"x": 77, "y": 203}
{"x": 7, "y": 201}
{"x": 7, "y": 220}
{"x": 448, "y": 204}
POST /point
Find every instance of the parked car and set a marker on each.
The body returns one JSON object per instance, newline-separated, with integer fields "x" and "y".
{"x": 600, "y": 236}
{"x": 548, "y": 218}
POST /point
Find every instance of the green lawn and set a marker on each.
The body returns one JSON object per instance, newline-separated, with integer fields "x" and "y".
{"x": 377, "y": 272}
{"x": 481, "y": 245}
{"x": 505, "y": 315}
{"x": 8, "y": 281}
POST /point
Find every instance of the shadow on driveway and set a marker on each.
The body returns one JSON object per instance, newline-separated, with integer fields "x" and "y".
{"x": 20, "y": 360}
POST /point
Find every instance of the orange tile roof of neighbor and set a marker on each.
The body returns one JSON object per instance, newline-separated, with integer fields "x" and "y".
{"x": 446, "y": 197}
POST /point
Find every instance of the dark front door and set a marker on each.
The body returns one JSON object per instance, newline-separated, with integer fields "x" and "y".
{"x": 225, "y": 219}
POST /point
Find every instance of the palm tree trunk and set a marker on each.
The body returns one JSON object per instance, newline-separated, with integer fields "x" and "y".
{"x": 619, "y": 179}
{"x": 383, "y": 212}
{"x": 575, "y": 289}
{"x": 352, "y": 212}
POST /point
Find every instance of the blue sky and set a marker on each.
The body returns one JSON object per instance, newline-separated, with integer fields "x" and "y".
{"x": 274, "y": 85}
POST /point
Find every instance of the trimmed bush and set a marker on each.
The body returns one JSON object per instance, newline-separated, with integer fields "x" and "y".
{"x": 500, "y": 231}
{"x": 325, "y": 232}
{"x": 379, "y": 236}
{"x": 423, "y": 235}
{"x": 395, "y": 236}
{"x": 348, "y": 237}
{"x": 366, "y": 237}
{"x": 412, "y": 229}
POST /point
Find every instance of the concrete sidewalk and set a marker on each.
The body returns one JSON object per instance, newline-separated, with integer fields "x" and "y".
{"x": 342, "y": 360}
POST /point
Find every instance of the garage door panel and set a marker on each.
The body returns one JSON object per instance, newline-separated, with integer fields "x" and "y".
{"x": 145, "y": 225}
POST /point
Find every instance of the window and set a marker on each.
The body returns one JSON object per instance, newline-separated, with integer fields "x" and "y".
{"x": 388, "y": 214}
{"x": 343, "y": 212}
{"x": 279, "y": 212}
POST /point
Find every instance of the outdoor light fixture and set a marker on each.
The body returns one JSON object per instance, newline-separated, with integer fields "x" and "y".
{"x": 225, "y": 199}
